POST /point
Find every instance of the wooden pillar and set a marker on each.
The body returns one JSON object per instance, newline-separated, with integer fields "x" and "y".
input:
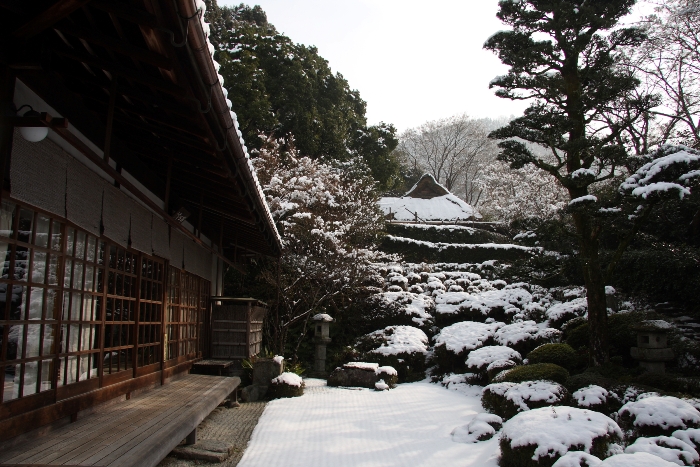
{"x": 7, "y": 109}
{"x": 166, "y": 199}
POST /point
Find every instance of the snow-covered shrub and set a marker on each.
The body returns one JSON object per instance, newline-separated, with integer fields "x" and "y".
{"x": 560, "y": 313}
{"x": 500, "y": 305}
{"x": 498, "y": 367}
{"x": 690, "y": 436}
{"x": 577, "y": 459}
{"x": 507, "y": 399}
{"x": 657, "y": 416}
{"x": 480, "y": 359}
{"x": 595, "y": 398}
{"x": 286, "y": 385}
{"x": 536, "y": 372}
{"x": 559, "y": 354}
{"x": 525, "y": 336}
{"x": 402, "y": 347}
{"x": 398, "y": 308}
{"x": 539, "y": 437}
{"x": 670, "y": 449}
{"x": 638, "y": 459}
{"x": 453, "y": 343}
{"x": 482, "y": 427}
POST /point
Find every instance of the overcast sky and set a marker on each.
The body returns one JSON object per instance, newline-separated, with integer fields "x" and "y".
{"x": 411, "y": 61}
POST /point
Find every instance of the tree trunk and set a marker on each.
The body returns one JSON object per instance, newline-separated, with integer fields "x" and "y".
{"x": 595, "y": 290}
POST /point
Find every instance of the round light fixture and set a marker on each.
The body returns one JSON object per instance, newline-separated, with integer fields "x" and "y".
{"x": 33, "y": 134}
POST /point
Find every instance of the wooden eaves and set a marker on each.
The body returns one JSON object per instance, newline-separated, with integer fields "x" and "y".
{"x": 137, "y": 79}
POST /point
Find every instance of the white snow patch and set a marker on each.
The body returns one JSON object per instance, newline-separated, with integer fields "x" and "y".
{"x": 478, "y": 429}
{"x": 577, "y": 459}
{"x": 290, "y": 379}
{"x": 512, "y": 334}
{"x": 638, "y": 459}
{"x": 667, "y": 448}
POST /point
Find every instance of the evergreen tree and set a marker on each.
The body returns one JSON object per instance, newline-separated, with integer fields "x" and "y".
{"x": 562, "y": 54}
{"x": 279, "y": 88}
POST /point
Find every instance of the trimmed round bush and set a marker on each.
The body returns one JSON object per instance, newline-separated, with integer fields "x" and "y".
{"x": 638, "y": 459}
{"x": 667, "y": 448}
{"x": 286, "y": 385}
{"x": 537, "y": 372}
{"x": 577, "y": 459}
{"x": 498, "y": 367}
{"x": 587, "y": 378}
{"x": 480, "y": 359}
{"x": 595, "y": 398}
{"x": 560, "y": 354}
{"x": 401, "y": 347}
{"x": 539, "y": 437}
{"x": 525, "y": 336}
{"x": 453, "y": 343}
{"x": 657, "y": 416}
{"x": 507, "y": 399}
{"x": 690, "y": 436}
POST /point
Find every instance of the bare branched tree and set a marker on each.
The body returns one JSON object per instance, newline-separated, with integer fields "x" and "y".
{"x": 453, "y": 150}
{"x": 668, "y": 64}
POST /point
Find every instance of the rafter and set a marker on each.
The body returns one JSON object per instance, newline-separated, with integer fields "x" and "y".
{"x": 48, "y": 18}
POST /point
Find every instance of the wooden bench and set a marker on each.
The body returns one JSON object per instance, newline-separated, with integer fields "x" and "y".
{"x": 138, "y": 432}
{"x": 209, "y": 366}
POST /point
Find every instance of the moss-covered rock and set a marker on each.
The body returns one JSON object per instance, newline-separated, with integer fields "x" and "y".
{"x": 536, "y": 372}
{"x": 285, "y": 385}
{"x": 559, "y": 354}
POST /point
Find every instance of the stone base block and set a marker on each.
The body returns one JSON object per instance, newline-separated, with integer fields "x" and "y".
{"x": 210, "y": 450}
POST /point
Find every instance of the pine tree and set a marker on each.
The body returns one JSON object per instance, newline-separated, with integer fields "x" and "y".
{"x": 562, "y": 55}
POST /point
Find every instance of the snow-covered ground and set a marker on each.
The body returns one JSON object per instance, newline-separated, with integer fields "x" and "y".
{"x": 407, "y": 426}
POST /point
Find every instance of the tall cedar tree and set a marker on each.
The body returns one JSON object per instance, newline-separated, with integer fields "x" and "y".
{"x": 279, "y": 88}
{"x": 562, "y": 55}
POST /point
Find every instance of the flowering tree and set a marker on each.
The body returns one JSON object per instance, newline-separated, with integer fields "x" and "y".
{"x": 329, "y": 221}
{"x": 518, "y": 194}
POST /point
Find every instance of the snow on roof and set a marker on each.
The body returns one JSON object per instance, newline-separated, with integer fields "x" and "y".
{"x": 427, "y": 187}
{"x": 201, "y": 7}
{"x": 323, "y": 317}
{"x": 440, "y": 208}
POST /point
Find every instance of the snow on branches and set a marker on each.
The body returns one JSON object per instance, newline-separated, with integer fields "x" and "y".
{"x": 671, "y": 170}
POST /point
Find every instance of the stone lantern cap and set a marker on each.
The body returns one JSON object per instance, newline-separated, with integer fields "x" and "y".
{"x": 653, "y": 325}
{"x": 323, "y": 317}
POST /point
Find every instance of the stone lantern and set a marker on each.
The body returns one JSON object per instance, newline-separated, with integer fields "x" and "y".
{"x": 652, "y": 349}
{"x": 322, "y": 324}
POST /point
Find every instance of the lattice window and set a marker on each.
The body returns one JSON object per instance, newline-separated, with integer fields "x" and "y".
{"x": 188, "y": 300}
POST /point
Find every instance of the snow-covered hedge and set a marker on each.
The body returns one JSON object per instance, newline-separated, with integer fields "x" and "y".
{"x": 507, "y": 399}
{"x": 500, "y": 305}
{"x": 453, "y": 344}
{"x": 398, "y": 308}
{"x": 657, "y": 416}
{"x": 480, "y": 360}
{"x": 593, "y": 398}
{"x": 445, "y": 233}
{"x": 536, "y": 372}
{"x": 667, "y": 448}
{"x": 402, "y": 347}
{"x": 638, "y": 459}
{"x": 537, "y": 438}
{"x": 525, "y": 336}
{"x": 559, "y": 354}
{"x": 422, "y": 251}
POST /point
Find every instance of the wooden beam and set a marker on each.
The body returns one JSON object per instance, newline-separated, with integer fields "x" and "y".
{"x": 167, "y": 184}
{"x": 127, "y": 12}
{"x": 118, "y": 177}
{"x": 122, "y": 47}
{"x": 153, "y": 83}
{"x": 48, "y": 18}
{"x": 110, "y": 118}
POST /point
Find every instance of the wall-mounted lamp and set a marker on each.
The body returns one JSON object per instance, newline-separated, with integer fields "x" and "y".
{"x": 30, "y": 132}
